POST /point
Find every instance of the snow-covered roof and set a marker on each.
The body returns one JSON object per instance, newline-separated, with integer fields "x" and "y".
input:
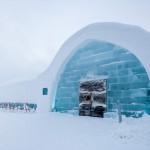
{"x": 133, "y": 38}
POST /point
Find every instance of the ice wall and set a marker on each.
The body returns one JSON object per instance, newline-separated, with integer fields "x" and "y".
{"x": 127, "y": 78}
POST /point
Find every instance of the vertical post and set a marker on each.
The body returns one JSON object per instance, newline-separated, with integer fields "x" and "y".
{"x": 119, "y": 112}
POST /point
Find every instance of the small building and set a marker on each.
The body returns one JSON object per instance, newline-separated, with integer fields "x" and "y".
{"x": 116, "y": 53}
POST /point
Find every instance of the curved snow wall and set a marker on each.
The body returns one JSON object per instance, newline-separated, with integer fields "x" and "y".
{"x": 127, "y": 79}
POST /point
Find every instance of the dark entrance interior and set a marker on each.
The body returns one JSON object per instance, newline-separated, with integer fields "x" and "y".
{"x": 92, "y": 98}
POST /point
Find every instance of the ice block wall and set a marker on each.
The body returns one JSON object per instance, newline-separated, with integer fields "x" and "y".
{"x": 127, "y": 80}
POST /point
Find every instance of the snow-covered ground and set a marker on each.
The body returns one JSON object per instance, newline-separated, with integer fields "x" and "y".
{"x": 54, "y": 131}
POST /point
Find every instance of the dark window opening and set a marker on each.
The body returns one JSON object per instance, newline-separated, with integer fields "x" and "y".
{"x": 148, "y": 92}
{"x": 45, "y": 91}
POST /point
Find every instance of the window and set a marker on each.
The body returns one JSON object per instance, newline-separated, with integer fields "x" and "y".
{"x": 148, "y": 92}
{"x": 45, "y": 91}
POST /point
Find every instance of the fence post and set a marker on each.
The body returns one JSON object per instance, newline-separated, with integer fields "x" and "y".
{"x": 119, "y": 111}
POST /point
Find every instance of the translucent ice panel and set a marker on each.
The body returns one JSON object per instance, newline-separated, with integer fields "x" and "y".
{"x": 127, "y": 80}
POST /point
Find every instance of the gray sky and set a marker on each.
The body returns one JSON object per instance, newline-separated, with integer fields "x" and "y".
{"x": 32, "y": 31}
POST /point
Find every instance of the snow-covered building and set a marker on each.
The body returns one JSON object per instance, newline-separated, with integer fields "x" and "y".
{"x": 118, "y": 53}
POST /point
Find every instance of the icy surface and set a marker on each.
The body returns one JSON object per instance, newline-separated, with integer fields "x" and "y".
{"x": 54, "y": 131}
{"x": 127, "y": 79}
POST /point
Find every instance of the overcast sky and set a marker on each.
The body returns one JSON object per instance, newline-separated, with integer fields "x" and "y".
{"x": 32, "y": 31}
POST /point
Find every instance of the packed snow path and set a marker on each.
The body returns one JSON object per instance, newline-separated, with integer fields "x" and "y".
{"x": 54, "y": 131}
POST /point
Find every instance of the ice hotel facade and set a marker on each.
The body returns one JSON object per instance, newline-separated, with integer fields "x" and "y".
{"x": 117, "y": 54}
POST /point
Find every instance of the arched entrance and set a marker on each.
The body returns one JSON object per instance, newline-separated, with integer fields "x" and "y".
{"x": 127, "y": 80}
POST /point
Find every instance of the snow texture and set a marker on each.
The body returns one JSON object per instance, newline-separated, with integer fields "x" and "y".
{"x": 66, "y": 132}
